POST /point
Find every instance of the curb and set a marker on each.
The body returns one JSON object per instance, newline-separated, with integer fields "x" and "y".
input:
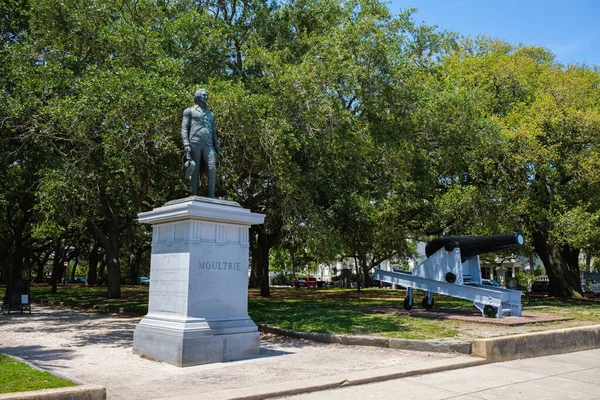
{"x": 374, "y": 341}
{"x": 334, "y": 382}
{"x": 83, "y": 392}
{"x": 78, "y": 392}
{"x": 538, "y": 344}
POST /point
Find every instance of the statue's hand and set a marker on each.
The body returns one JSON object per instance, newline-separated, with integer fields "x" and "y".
{"x": 220, "y": 153}
{"x": 188, "y": 152}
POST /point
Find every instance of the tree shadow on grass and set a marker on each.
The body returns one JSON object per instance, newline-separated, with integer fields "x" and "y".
{"x": 41, "y": 356}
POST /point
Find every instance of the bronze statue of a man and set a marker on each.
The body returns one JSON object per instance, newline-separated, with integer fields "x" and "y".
{"x": 199, "y": 135}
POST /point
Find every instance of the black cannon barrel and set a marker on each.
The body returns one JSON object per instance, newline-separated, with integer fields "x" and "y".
{"x": 475, "y": 245}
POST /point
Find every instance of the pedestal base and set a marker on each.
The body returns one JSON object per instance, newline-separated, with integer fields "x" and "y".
{"x": 198, "y": 298}
{"x": 186, "y": 349}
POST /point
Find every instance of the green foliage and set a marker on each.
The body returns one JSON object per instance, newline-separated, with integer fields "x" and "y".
{"x": 280, "y": 279}
{"x": 16, "y": 376}
{"x": 514, "y": 147}
{"x": 352, "y": 129}
{"x": 524, "y": 279}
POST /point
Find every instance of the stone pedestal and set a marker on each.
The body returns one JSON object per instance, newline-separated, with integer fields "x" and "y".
{"x": 198, "y": 305}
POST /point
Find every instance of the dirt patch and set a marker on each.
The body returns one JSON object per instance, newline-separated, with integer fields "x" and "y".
{"x": 477, "y": 318}
{"x": 465, "y": 316}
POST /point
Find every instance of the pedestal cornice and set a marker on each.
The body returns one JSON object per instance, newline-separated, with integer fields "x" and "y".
{"x": 201, "y": 208}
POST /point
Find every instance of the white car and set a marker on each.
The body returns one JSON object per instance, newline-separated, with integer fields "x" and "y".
{"x": 144, "y": 280}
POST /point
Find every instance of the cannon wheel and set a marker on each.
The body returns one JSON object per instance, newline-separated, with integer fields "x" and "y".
{"x": 426, "y": 305}
{"x": 408, "y": 305}
{"x": 490, "y": 311}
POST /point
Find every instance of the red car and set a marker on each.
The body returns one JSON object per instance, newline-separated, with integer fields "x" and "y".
{"x": 311, "y": 282}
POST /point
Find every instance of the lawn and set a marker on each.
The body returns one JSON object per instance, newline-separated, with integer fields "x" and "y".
{"x": 345, "y": 311}
{"x": 379, "y": 312}
{"x": 16, "y": 376}
{"x": 134, "y": 299}
{"x": 376, "y": 312}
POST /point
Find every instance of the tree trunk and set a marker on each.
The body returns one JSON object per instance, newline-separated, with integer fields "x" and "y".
{"x": 102, "y": 272}
{"x": 260, "y": 262}
{"x": 110, "y": 244}
{"x": 17, "y": 252}
{"x": 135, "y": 258}
{"x": 255, "y": 272}
{"x": 73, "y": 270}
{"x": 133, "y": 273}
{"x": 588, "y": 261}
{"x": 365, "y": 268}
{"x": 358, "y": 273}
{"x": 29, "y": 272}
{"x": 261, "y": 244}
{"x": 42, "y": 261}
{"x": 57, "y": 266}
{"x": 15, "y": 268}
{"x": 3, "y": 271}
{"x": 4, "y": 261}
{"x": 92, "y": 270}
{"x": 40, "y": 271}
{"x": 562, "y": 266}
{"x": 113, "y": 278}
{"x": 531, "y": 264}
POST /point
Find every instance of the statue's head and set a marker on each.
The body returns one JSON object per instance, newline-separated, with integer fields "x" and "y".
{"x": 201, "y": 97}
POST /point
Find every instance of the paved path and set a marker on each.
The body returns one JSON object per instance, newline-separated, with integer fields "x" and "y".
{"x": 96, "y": 349}
{"x": 564, "y": 376}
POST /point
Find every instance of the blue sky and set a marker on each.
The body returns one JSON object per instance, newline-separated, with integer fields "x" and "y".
{"x": 570, "y": 29}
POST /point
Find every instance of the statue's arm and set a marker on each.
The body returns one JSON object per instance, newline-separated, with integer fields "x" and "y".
{"x": 185, "y": 127}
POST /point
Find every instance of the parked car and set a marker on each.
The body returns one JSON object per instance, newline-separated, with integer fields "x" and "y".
{"x": 490, "y": 282}
{"x": 144, "y": 280}
{"x": 540, "y": 287}
{"x": 298, "y": 283}
{"x": 381, "y": 284}
{"x": 311, "y": 282}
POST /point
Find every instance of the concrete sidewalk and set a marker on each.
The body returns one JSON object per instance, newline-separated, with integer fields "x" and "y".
{"x": 97, "y": 349}
{"x": 557, "y": 377}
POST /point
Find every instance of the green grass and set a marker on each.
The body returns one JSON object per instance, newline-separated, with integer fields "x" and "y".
{"x": 372, "y": 312}
{"x": 379, "y": 312}
{"x": 134, "y": 298}
{"x": 581, "y": 310}
{"x": 16, "y": 376}
{"x": 338, "y": 311}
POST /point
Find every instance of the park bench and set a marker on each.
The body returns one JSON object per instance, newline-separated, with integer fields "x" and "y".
{"x": 17, "y": 297}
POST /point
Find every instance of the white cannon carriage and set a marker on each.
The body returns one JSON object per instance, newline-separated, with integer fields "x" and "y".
{"x": 452, "y": 268}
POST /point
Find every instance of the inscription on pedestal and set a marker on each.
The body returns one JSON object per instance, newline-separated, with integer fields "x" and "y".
{"x": 220, "y": 265}
{"x": 169, "y": 283}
